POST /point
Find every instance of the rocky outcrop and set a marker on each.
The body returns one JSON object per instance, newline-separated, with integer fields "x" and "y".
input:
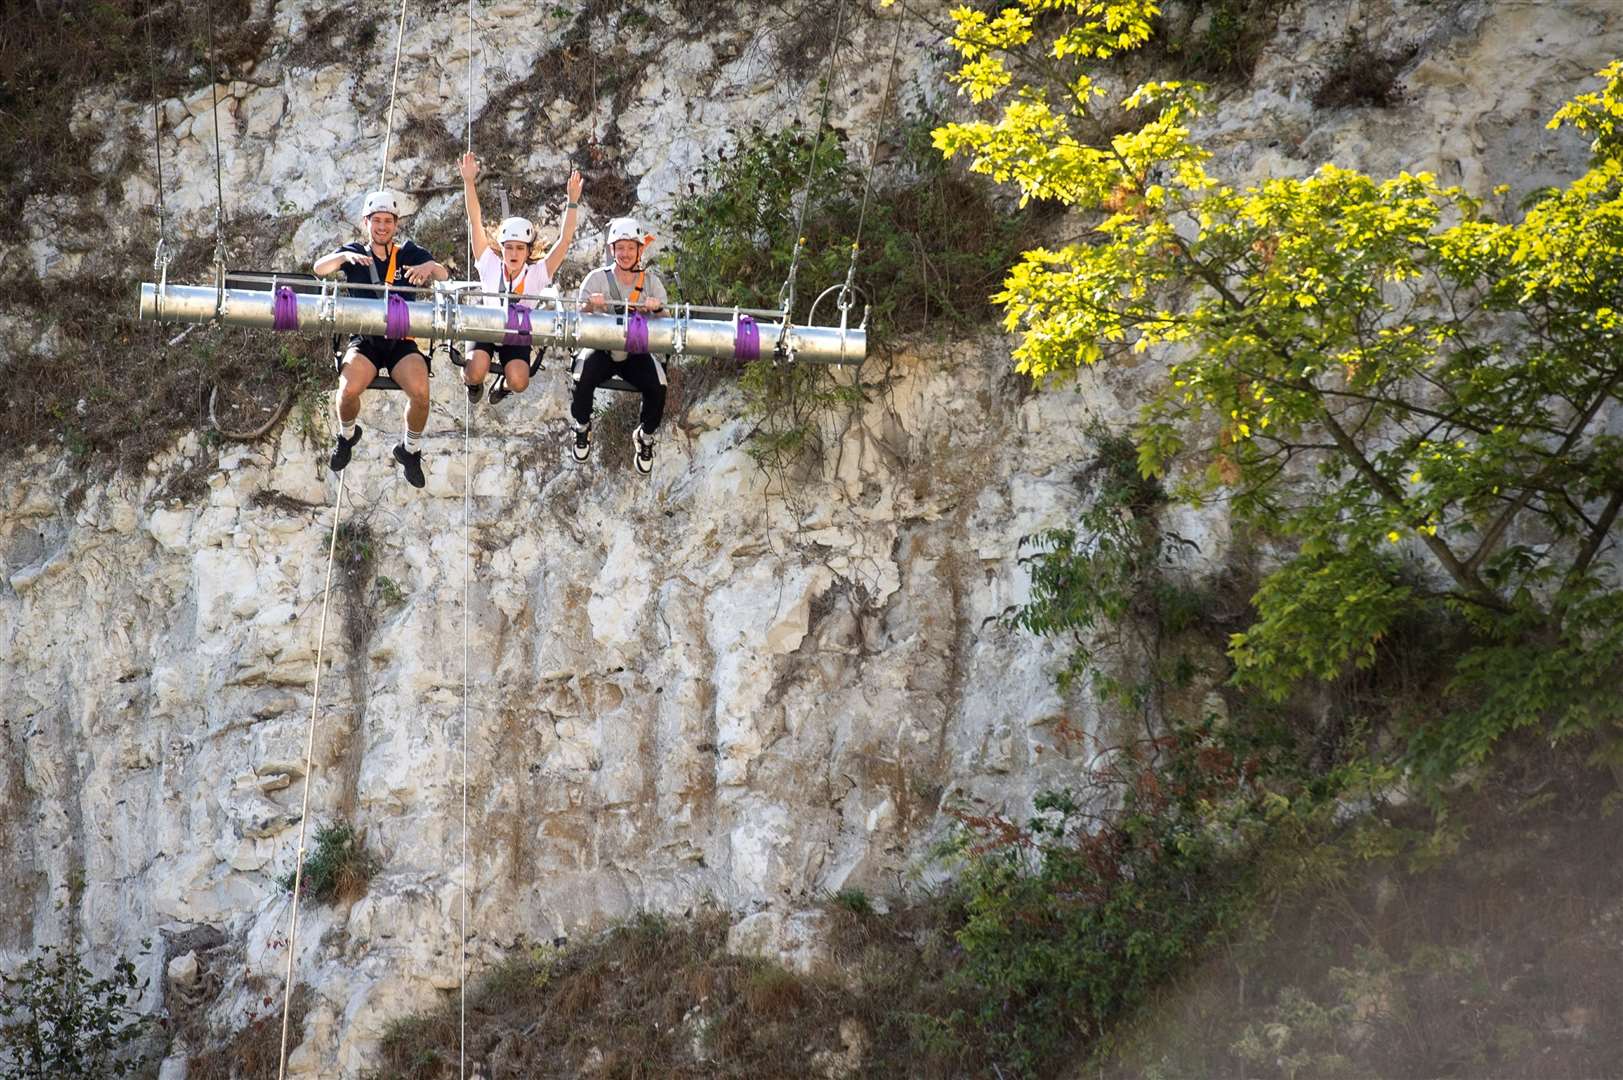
{"x": 711, "y": 683}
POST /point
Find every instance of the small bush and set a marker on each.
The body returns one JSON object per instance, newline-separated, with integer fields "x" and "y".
{"x": 933, "y": 249}
{"x": 1219, "y": 39}
{"x": 854, "y": 900}
{"x": 338, "y": 869}
{"x": 58, "y": 1020}
{"x": 1107, "y": 584}
{"x": 1366, "y": 75}
{"x": 788, "y": 403}
{"x": 934, "y": 246}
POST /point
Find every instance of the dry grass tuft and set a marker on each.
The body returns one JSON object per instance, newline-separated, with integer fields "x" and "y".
{"x": 661, "y": 997}
{"x": 254, "y": 1051}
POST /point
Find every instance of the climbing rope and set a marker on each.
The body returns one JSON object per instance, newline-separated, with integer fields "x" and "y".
{"x": 394, "y": 85}
{"x": 309, "y": 781}
{"x": 873, "y": 160}
{"x": 219, "y": 182}
{"x": 467, "y": 500}
{"x": 786, "y": 295}
{"x": 470, "y": 120}
{"x": 160, "y": 254}
{"x": 467, "y": 560}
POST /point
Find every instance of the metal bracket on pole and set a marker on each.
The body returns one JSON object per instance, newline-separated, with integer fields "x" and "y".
{"x": 555, "y": 311}
{"x": 442, "y": 316}
{"x": 327, "y": 305}
{"x": 783, "y": 350}
{"x": 219, "y": 244}
{"x": 843, "y": 302}
{"x": 568, "y": 326}
{"x": 219, "y": 292}
{"x": 160, "y": 263}
{"x": 679, "y": 332}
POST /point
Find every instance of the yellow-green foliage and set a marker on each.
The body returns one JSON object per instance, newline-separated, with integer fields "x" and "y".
{"x": 1392, "y": 374}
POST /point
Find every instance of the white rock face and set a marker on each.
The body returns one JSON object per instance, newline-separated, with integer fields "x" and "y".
{"x": 689, "y": 686}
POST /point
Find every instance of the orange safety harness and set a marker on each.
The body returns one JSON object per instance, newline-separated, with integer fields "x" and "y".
{"x": 609, "y": 272}
{"x": 515, "y": 285}
{"x": 388, "y": 278}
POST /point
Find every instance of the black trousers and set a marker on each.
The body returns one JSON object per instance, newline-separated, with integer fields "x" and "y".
{"x": 639, "y": 369}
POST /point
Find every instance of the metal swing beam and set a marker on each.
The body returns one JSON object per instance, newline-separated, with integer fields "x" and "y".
{"x": 442, "y": 316}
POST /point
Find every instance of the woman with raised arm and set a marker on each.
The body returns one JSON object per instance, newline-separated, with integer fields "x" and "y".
{"x": 511, "y": 265}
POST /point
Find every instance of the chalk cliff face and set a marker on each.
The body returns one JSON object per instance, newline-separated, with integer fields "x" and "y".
{"x": 708, "y": 684}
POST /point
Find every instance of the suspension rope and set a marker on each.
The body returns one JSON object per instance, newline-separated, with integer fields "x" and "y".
{"x": 160, "y": 254}
{"x": 470, "y": 122}
{"x": 309, "y": 782}
{"x": 786, "y": 295}
{"x": 467, "y": 501}
{"x": 462, "y": 892}
{"x": 219, "y": 183}
{"x": 394, "y": 85}
{"x": 873, "y": 160}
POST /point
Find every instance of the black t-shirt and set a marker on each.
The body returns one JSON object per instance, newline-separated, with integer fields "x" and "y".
{"x": 410, "y": 254}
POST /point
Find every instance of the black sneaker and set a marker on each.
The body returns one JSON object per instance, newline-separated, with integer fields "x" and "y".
{"x": 340, "y": 453}
{"x": 412, "y": 463}
{"x": 642, "y": 451}
{"x": 582, "y": 446}
{"x": 499, "y": 393}
{"x": 475, "y": 392}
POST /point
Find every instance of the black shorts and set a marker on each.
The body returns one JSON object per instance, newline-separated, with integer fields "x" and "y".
{"x": 505, "y": 354}
{"x": 385, "y": 353}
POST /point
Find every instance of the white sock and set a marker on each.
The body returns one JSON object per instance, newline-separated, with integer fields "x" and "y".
{"x": 413, "y": 441}
{"x": 347, "y": 429}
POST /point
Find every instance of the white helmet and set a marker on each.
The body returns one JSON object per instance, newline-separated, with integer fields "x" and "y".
{"x": 624, "y": 228}
{"x": 380, "y": 202}
{"x": 516, "y": 228}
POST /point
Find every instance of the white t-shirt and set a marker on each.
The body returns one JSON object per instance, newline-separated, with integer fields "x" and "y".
{"x": 493, "y": 278}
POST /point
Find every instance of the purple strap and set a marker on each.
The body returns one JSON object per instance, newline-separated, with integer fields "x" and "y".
{"x": 285, "y": 310}
{"x": 637, "y": 333}
{"x": 518, "y": 325}
{"x": 746, "y": 339}
{"x": 397, "y": 320}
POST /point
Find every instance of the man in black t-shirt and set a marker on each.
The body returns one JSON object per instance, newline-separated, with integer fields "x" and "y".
{"x": 375, "y": 262}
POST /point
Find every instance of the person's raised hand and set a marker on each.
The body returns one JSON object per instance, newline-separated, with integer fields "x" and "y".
{"x": 468, "y": 167}
{"x": 575, "y": 186}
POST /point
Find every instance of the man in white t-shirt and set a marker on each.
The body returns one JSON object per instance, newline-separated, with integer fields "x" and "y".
{"x": 623, "y": 286}
{"x": 510, "y": 266}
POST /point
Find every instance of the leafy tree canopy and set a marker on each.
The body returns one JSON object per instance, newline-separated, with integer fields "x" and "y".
{"x": 1407, "y": 385}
